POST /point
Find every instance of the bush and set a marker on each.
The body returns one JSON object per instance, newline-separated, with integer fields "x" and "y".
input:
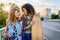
{"x": 3, "y": 17}
{"x": 54, "y": 16}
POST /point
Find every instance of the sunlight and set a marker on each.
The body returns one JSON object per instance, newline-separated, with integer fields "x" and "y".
{"x": 6, "y": 8}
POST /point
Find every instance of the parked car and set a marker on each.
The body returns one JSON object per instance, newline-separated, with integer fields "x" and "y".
{"x": 42, "y": 18}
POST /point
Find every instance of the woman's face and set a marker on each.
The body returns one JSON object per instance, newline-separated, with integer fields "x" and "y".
{"x": 16, "y": 14}
{"x": 24, "y": 11}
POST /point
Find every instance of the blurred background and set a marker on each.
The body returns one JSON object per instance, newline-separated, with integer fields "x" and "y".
{"x": 49, "y": 10}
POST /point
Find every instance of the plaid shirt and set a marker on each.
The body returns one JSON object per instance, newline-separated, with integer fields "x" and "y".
{"x": 24, "y": 24}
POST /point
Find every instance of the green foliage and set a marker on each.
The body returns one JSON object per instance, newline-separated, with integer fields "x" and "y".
{"x": 54, "y": 16}
{"x": 3, "y": 17}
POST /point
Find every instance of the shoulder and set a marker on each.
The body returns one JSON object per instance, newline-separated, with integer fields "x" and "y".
{"x": 37, "y": 15}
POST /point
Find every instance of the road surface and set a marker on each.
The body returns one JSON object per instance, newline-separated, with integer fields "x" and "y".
{"x": 51, "y": 30}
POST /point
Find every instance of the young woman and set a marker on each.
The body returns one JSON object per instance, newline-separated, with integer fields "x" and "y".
{"x": 31, "y": 28}
{"x": 13, "y": 26}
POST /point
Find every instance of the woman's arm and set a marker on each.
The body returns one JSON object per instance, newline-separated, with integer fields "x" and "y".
{"x": 29, "y": 26}
{"x": 5, "y": 34}
{"x": 37, "y": 30}
{"x": 7, "y": 25}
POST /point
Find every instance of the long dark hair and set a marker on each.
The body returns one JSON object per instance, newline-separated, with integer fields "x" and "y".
{"x": 29, "y": 8}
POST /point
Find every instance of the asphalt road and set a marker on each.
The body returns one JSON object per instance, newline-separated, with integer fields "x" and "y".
{"x": 51, "y": 30}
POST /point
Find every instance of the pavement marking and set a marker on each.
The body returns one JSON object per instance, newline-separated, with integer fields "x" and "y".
{"x": 51, "y": 28}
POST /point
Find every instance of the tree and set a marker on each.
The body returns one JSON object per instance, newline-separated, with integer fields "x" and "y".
{"x": 3, "y": 16}
{"x": 54, "y": 16}
{"x": 1, "y": 6}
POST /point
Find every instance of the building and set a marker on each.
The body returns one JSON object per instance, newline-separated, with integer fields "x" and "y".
{"x": 48, "y": 13}
{"x": 59, "y": 13}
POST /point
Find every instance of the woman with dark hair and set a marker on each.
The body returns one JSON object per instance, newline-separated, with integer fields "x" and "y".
{"x": 32, "y": 31}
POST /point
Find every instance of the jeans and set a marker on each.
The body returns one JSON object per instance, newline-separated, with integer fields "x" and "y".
{"x": 26, "y": 36}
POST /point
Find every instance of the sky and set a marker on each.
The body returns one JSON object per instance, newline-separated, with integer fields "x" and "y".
{"x": 38, "y": 4}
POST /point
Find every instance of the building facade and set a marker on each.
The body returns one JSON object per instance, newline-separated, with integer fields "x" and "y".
{"x": 59, "y": 13}
{"x": 48, "y": 13}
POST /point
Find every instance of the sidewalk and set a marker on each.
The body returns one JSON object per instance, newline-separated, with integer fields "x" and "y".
{"x": 52, "y": 20}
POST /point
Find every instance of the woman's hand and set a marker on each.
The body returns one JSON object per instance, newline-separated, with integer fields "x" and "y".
{"x": 5, "y": 35}
{"x": 19, "y": 18}
{"x": 32, "y": 23}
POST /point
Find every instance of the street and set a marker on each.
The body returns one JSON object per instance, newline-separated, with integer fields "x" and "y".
{"x": 51, "y": 30}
